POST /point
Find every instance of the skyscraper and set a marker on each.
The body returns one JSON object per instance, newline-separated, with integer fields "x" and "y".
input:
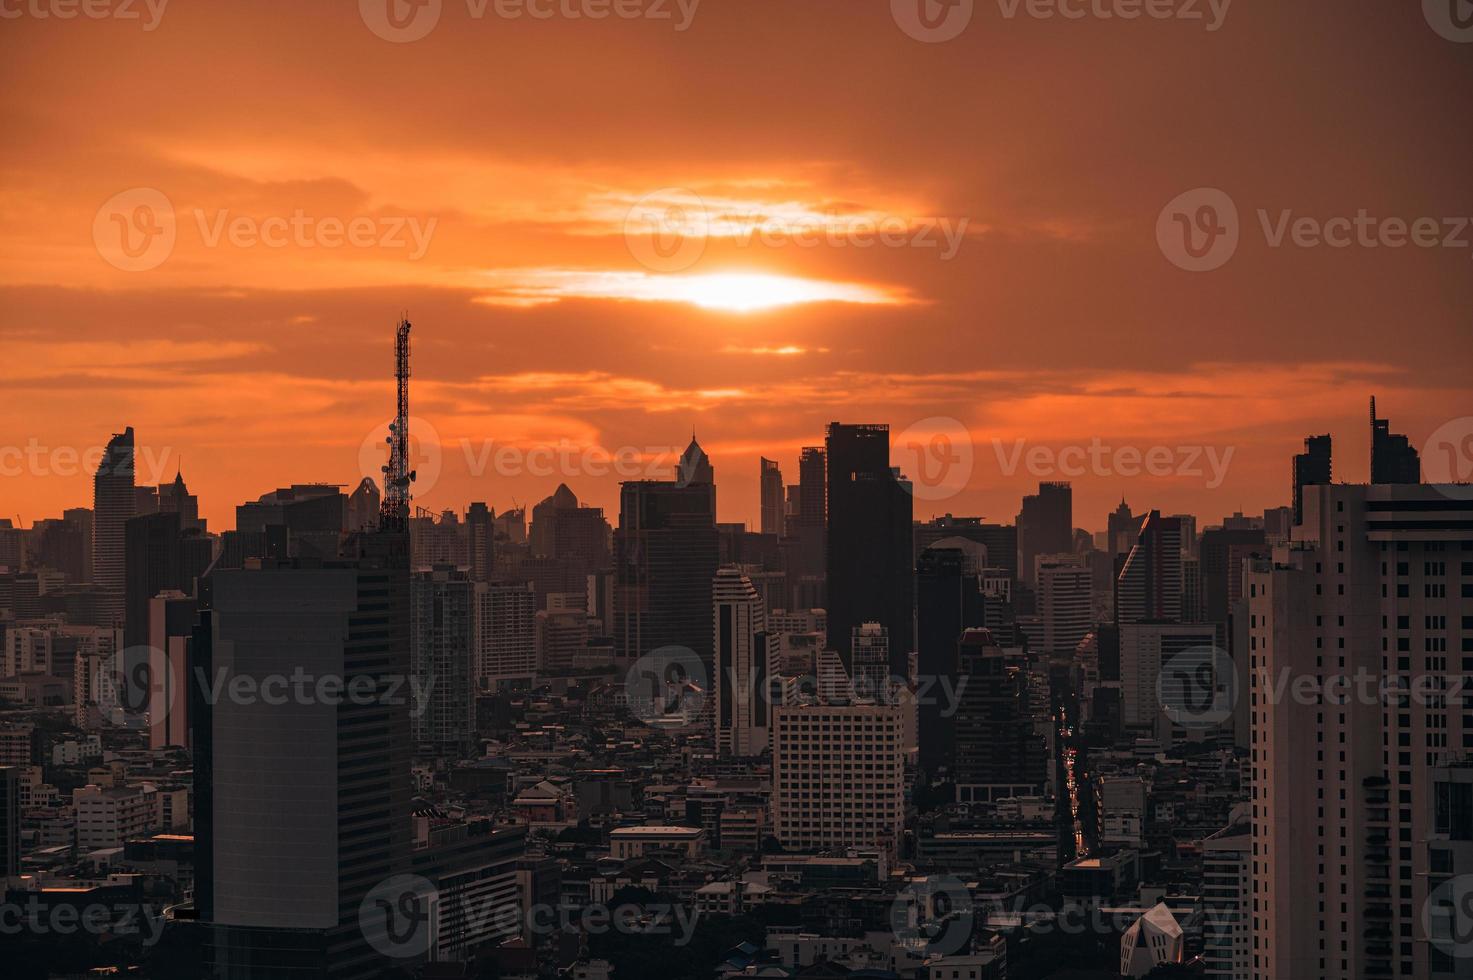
{"x": 302, "y": 801}
{"x": 442, "y": 638}
{"x": 948, "y": 601}
{"x": 1149, "y": 586}
{"x": 112, "y": 506}
{"x": 1045, "y": 527}
{"x": 997, "y": 755}
{"x": 1065, "y": 591}
{"x": 566, "y": 531}
{"x": 772, "y": 497}
{"x": 746, "y": 655}
{"x": 665, "y": 559}
{"x": 1311, "y": 468}
{"x": 480, "y": 524}
{"x": 1393, "y": 457}
{"x": 1121, "y": 529}
{"x": 1369, "y": 604}
{"x": 505, "y": 634}
{"x": 870, "y": 557}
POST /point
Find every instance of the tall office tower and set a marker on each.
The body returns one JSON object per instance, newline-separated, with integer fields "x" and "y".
{"x": 870, "y": 655}
{"x": 1149, "y": 584}
{"x": 175, "y": 498}
{"x": 1045, "y": 527}
{"x": 746, "y": 655}
{"x": 171, "y": 620}
{"x": 1312, "y": 468}
{"x": 302, "y": 520}
{"x": 480, "y": 524}
{"x": 9, "y": 821}
{"x": 512, "y": 524}
{"x": 802, "y": 548}
{"x": 838, "y": 776}
{"x": 1146, "y": 647}
{"x": 999, "y": 541}
{"x": 1393, "y": 457}
{"x": 948, "y": 601}
{"x": 1227, "y": 900}
{"x": 1224, "y": 552}
{"x": 1277, "y": 524}
{"x": 565, "y": 530}
{"x": 1371, "y": 603}
{"x": 442, "y": 641}
{"x": 665, "y": 558}
{"x": 438, "y": 540}
{"x": 772, "y": 497}
{"x": 506, "y": 635}
{"x": 871, "y": 574}
{"x": 152, "y": 564}
{"x": 562, "y": 632}
{"x": 1065, "y": 596}
{"x": 302, "y": 802}
{"x": 813, "y": 484}
{"x": 997, "y": 754}
{"x": 1122, "y": 528}
{"x": 363, "y": 505}
{"x": 112, "y": 506}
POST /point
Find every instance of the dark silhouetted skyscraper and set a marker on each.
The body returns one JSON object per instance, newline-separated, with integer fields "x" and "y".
{"x": 665, "y": 558}
{"x": 303, "y": 801}
{"x": 1311, "y": 468}
{"x": 1045, "y": 527}
{"x": 870, "y": 557}
{"x": 772, "y": 497}
{"x": 1149, "y": 586}
{"x": 1393, "y": 458}
{"x": 112, "y": 506}
{"x": 948, "y": 602}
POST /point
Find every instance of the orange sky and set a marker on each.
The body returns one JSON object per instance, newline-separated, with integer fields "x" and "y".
{"x": 611, "y": 231}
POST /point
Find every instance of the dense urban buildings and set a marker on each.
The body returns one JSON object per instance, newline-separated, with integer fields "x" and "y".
{"x": 353, "y": 738}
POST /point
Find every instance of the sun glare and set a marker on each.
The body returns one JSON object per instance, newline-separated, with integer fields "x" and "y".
{"x": 735, "y": 292}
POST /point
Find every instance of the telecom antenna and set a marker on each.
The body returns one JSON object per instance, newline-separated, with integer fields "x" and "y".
{"x": 394, "y": 511}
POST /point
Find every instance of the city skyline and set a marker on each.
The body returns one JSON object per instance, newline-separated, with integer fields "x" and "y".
{"x": 1057, "y": 319}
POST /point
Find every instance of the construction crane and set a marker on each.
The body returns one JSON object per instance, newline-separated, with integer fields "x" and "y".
{"x": 394, "y": 510}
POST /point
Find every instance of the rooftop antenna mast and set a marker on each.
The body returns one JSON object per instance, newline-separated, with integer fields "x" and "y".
{"x": 394, "y": 511}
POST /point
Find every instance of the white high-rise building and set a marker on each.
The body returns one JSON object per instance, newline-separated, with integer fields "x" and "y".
{"x": 1360, "y": 640}
{"x": 1145, "y": 647}
{"x": 838, "y": 775}
{"x": 1227, "y": 894}
{"x": 1065, "y": 593}
{"x": 746, "y": 662}
{"x": 506, "y": 633}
